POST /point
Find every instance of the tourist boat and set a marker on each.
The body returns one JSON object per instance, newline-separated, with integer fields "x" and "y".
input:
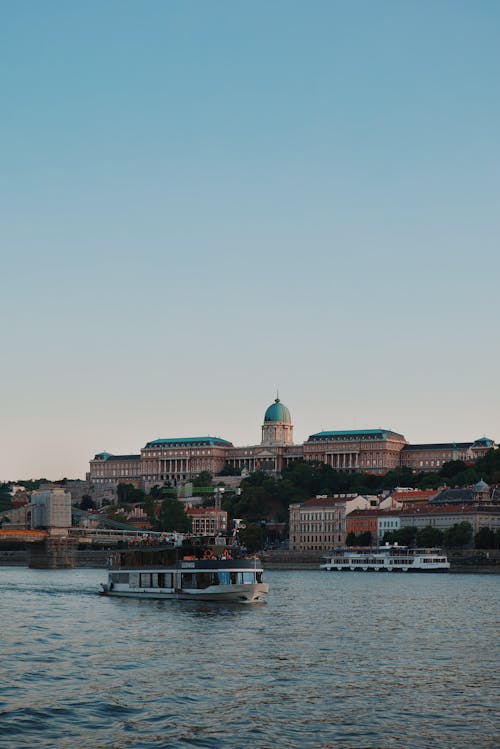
{"x": 195, "y": 571}
{"x": 389, "y": 558}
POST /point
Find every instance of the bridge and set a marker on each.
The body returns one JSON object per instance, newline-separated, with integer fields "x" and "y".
{"x": 55, "y": 550}
{"x": 22, "y": 534}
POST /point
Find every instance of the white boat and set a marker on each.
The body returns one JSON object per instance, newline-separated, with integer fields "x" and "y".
{"x": 198, "y": 572}
{"x": 389, "y": 558}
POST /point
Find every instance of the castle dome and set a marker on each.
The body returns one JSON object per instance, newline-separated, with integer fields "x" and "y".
{"x": 277, "y": 411}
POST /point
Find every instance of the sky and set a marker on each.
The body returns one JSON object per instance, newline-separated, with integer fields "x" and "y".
{"x": 204, "y": 202}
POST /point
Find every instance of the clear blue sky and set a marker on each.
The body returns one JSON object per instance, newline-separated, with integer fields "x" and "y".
{"x": 204, "y": 201}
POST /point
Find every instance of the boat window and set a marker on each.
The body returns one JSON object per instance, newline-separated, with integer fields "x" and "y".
{"x": 145, "y": 580}
{"x": 224, "y": 578}
{"x": 259, "y": 577}
{"x": 188, "y": 580}
{"x": 248, "y": 577}
{"x": 119, "y": 577}
{"x": 203, "y": 579}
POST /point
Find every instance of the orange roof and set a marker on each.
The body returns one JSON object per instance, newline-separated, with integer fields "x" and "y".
{"x": 202, "y": 511}
{"x": 416, "y": 496}
{"x": 324, "y": 501}
{"x": 374, "y": 513}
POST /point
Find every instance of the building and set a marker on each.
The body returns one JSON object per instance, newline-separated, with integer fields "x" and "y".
{"x": 479, "y": 494}
{"x": 446, "y": 516}
{"x": 177, "y": 460}
{"x": 387, "y": 522}
{"x": 319, "y": 524}
{"x": 356, "y": 451}
{"x": 207, "y": 521}
{"x": 363, "y": 521}
{"x": 430, "y": 457}
{"x": 410, "y": 499}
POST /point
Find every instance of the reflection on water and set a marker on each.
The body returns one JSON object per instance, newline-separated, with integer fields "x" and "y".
{"x": 332, "y": 660}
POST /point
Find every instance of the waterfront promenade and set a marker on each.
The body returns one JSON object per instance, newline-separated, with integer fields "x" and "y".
{"x": 473, "y": 560}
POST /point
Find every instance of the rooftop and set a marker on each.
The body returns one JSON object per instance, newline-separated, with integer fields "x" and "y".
{"x": 189, "y": 442}
{"x": 109, "y": 456}
{"x": 354, "y": 434}
{"x": 439, "y": 446}
{"x": 326, "y": 501}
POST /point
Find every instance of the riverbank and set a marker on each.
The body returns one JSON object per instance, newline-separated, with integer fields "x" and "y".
{"x": 469, "y": 560}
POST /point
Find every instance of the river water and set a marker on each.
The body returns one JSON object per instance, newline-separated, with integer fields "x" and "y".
{"x": 333, "y": 660}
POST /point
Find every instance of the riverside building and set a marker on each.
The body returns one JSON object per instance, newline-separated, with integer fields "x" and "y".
{"x": 177, "y": 460}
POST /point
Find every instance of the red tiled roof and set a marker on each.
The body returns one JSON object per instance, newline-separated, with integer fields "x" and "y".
{"x": 415, "y": 496}
{"x": 324, "y": 501}
{"x": 374, "y": 513}
{"x": 202, "y": 511}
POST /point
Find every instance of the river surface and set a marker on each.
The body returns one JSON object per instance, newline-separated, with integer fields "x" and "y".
{"x": 333, "y": 660}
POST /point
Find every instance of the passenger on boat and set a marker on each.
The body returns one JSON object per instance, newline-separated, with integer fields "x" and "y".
{"x": 226, "y": 554}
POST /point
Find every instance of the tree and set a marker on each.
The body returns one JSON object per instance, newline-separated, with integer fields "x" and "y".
{"x": 129, "y": 494}
{"x": 230, "y": 470}
{"x": 252, "y": 537}
{"x": 87, "y": 503}
{"x": 458, "y": 536}
{"x": 429, "y": 536}
{"x": 203, "y": 479}
{"x": 172, "y": 516}
{"x": 449, "y": 470}
{"x": 466, "y": 477}
{"x": 403, "y": 536}
{"x": 350, "y": 539}
{"x": 489, "y": 467}
{"x": 5, "y": 497}
{"x": 362, "y": 539}
{"x": 485, "y": 539}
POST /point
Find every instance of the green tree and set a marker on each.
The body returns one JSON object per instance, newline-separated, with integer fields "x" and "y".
{"x": 129, "y": 494}
{"x": 87, "y": 503}
{"x": 5, "y": 497}
{"x": 203, "y": 479}
{"x": 429, "y": 536}
{"x": 450, "y": 469}
{"x": 252, "y": 537}
{"x": 172, "y": 516}
{"x": 230, "y": 470}
{"x": 485, "y": 539}
{"x": 403, "y": 536}
{"x": 458, "y": 536}
{"x": 466, "y": 477}
{"x": 351, "y": 539}
{"x": 488, "y": 467}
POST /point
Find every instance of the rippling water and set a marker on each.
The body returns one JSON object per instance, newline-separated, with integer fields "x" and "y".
{"x": 342, "y": 661}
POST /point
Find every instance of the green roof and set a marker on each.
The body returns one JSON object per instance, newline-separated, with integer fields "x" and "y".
{"x": 277, "y": 411}
{"x": 371, "y": 433}
{"x": 190, "y": 441}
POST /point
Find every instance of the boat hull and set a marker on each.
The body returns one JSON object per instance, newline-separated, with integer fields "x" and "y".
{"x": 384, "y": 569}
{"x": 386, "y": 559}
{"x": 229, "y": 594}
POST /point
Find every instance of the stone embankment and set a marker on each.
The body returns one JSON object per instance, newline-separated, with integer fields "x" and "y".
{"x": 82, "y": 558}
{"x": 469, "y": 560}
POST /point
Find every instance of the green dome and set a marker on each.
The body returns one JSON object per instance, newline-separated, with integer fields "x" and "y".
{"x": 278, "y": 412}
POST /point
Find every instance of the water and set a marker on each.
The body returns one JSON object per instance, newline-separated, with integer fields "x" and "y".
{"x": 337, "y": 661}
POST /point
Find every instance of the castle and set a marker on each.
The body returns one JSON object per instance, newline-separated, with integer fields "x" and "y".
{"x": 177, "y": 460}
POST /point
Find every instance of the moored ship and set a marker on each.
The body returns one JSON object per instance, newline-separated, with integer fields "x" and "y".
{"x": 198, "y": 570}
{"x": 389, "y": 558}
